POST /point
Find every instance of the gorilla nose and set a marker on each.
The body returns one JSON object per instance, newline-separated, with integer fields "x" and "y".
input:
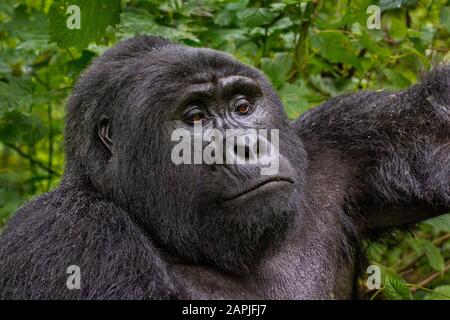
{"x": 245, "y": 148}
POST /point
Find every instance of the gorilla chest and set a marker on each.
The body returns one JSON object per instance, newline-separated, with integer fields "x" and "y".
{"x": 311, "y": 273}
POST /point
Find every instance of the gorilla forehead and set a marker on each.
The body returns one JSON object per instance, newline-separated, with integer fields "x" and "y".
{"x": 161, "y": 76}
{"x": 151, "y": 71}
{"x": 183, "y": 64}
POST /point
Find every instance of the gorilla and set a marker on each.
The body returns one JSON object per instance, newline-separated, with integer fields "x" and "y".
{"x": 135, "y": 225}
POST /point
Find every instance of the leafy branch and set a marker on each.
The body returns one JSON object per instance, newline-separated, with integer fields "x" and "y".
{"x": 32, "y": 159}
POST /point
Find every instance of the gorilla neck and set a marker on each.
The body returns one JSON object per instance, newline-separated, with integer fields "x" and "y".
{"x": 233, "y": 243}
{"x": 307, "y": 265}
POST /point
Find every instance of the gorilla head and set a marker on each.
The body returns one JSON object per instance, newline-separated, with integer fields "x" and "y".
{"x": 120, "y": 120}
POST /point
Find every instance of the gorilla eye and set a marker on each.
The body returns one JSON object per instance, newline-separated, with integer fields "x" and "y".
{"x": 194, "y": 116}
{"x": 242, "y": 106}
{"x": 197, "y": 117}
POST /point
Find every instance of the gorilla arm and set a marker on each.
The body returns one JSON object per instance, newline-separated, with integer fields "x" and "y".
{"x": 394, "y": 148}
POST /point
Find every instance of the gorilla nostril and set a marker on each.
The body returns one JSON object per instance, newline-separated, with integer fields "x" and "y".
{"x": 247, "y": 152}
{"x": 242, "y": 152}
{"x": 261, "y": 148}
{"x": 258, "y": 149}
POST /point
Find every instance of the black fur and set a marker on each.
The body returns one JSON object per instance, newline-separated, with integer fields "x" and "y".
{"x": 140, "y": 227}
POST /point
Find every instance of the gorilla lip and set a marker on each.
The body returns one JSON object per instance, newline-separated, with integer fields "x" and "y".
{"x": 258, "y": 185}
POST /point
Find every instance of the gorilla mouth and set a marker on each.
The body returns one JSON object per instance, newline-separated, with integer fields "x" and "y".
{"x": 271, "y": 183}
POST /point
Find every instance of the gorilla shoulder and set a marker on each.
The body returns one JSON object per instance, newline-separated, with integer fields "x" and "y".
{"x": 74, "y": 227}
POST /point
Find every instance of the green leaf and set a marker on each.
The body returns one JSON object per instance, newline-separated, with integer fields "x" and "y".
{"x": 18, "y": 127}
{"x": 2, "y": 195}
{"x": 277, "y": 67}
{"x": 255, "y": 17}
{"x": 335, "y": 47}
{"x": 445, "y": 17}
{"x": 396, "y": 4}
{"x": 17, "y": 92}
{"x": 95, "y": 16}
{"x": 282, "y": 24}
{"x": 293, "y": 102}
{"x": 398, "y": 29}
{"x": 31, "y": 28}
{"x": 136, "y": 22}
{"x": 324, "y": 84}
{"x": 237, "y": 5}
{"x": 440, "y": 293}
{"x": 224, "y": 18}
{"x": 434, "y": 256}
{"x": 370, "y": 44}
{"x": 142, "y": 22}
{"x": 441, "y": 223}
{"x": 396, "y": 289}
{"x": 397, "y": 79}
{"x": 76, "y": 66}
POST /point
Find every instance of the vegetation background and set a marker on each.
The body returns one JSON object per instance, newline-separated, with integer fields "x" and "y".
{"x": 310, "y": 50}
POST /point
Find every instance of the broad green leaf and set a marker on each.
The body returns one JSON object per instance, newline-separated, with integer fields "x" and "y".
{"x": 427, "y": 33}
{"x": 370, "y": 44}
{"x": 282, "y": 24}
{"x": 441, "y": 223}
{"x": 141, "y": 22}
{"x": 255, "y": 17}
{"x": 76, "y": 66}
{"x": 7, "y": 6}
{"x": 134, "y": 23}
{"x": 397, "y": 79}
{"x": 30, "y": 27}
{"x": 17, "y": 127}
{"x": 15, "y": 92}
{"x": 434, "y": 256}
{"x": 277, "y": 67}
{"x": 375, "y": 251}
{"x": 396, "y": 4}
{"x": 324, "y": 84}
{"x": 398, "y": 29}
{"x": 224, "y": 18}
{"x": 440, "y": 293}
{"x": 335, "y": 47}
{"x": 445, "y": 17}
{"x": 293, "y": 102}
{"x": 2, "y": 195}
{"x": 236, "y": 5}
{"x": 95, "y": 16}
{"x": 347, "y": 19}
{"x": 396, "y": 289}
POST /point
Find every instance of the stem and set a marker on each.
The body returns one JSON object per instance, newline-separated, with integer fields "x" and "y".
{"x": 430, "y": 278}
{"x": 31, "y": 159}
{"x": 264, "y": 47}
{"x": 438, "y": 242}
{"x": 300, "y": 45}
{"x": 376, "y": 293}
{"x": 416, "y": 287}
{"x": 50, "y": 143}
{"x": 70, "y": 54}
{"x": 41, "y": 82}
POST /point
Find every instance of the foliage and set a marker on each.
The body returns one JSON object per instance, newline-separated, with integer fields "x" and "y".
{"x": 311, "y": 51}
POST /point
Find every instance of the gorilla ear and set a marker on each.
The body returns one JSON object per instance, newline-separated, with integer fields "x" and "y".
{"x": 104, "y": 134}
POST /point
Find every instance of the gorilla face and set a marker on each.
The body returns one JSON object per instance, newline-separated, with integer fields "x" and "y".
{"x": 225, "y": 215}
